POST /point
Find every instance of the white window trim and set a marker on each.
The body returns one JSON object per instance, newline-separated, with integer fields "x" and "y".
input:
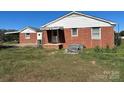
{"x": 99, "y": 34}
{"x": 27, "y": 37}
{"x": 72, "y": 32}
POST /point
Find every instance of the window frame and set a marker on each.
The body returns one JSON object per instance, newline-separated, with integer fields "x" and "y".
{"x": 92, "y": 37}
{"x": 27, "y": 36}
{"x": 72, "y": 32}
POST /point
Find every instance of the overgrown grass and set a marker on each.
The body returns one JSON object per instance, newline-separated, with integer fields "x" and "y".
{"x": 112, "y": 60}
{"x": 37, "y": 64}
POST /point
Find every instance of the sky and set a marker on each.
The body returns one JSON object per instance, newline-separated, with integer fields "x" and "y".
{"x": 20, "y": 19}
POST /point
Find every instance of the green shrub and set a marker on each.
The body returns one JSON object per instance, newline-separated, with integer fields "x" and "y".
{"x": 114, "y": 50}
{"x": 97, "y": 49}
{"x": 107, "y": 49}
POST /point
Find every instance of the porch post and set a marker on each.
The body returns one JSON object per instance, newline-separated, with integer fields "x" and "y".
{"x": 58, "y": 35}
{"x": 51, "y": 36}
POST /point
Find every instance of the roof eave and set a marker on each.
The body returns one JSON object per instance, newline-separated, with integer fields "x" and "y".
{"x": 100, "y": 19}
{"x": 38, "y": 30}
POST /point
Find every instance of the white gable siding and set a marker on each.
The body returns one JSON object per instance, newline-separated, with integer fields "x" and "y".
{"x": 78, "y": 21}
{"x": 28, "y": 30}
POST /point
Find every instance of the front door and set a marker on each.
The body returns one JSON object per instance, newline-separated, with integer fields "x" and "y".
{"x": 39, "y": 35}
{"x": 39, "y": 38}
{"x": 55, "y": 36}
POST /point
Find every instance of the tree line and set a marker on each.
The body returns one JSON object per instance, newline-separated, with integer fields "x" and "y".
{"x": 8, "y": 37}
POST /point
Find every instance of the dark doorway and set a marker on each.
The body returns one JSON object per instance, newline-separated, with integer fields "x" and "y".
{"x": 56, "y": 36}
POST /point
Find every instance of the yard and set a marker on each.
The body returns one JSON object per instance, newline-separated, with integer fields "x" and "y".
{"x": 37, "y": 64}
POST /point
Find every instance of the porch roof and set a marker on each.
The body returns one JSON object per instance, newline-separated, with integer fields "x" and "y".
{"x": 52, "y": 28}
{"x": 14, "y": 32}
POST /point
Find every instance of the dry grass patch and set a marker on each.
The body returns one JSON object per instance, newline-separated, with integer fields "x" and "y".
{"x": 36, "y": 64}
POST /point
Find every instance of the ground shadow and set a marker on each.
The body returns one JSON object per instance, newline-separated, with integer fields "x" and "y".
{"x": 7, "y": 46}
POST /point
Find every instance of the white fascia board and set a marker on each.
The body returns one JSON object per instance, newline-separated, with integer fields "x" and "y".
{"x": 29, "y": 30}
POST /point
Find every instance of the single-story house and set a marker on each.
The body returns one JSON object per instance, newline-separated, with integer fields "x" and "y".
{"x": 72, "y": 28}
{"x": 78, "y": 28}
{"x": 30, "y": 36}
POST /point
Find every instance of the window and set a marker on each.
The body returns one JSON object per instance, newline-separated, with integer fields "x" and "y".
{"x": 27, "y": 35}
{"x": 74, "y": 32}
{"x": 96, "y": 33}
{"x": 38, "y": 34}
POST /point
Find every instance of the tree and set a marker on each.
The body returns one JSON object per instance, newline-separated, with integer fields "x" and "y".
{"x": 11, "y": 37}
{"x": 122, "y": 33}
{"x": 117, "y": 39}
{"x": 8, "y": 37}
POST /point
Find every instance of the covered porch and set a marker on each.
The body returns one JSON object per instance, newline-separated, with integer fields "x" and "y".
{"x": 55, "y": 37}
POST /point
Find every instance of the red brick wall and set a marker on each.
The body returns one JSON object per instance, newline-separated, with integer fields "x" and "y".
{"x": 45, "y": 38}
{"x": 84, "y": 37}
{"x": 33, "y": 38}
{"x": 107, "y": 36}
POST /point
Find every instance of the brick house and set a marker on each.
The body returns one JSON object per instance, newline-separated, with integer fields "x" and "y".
{"x": 30, "y": 36}
{"x": 78, "y": 28}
